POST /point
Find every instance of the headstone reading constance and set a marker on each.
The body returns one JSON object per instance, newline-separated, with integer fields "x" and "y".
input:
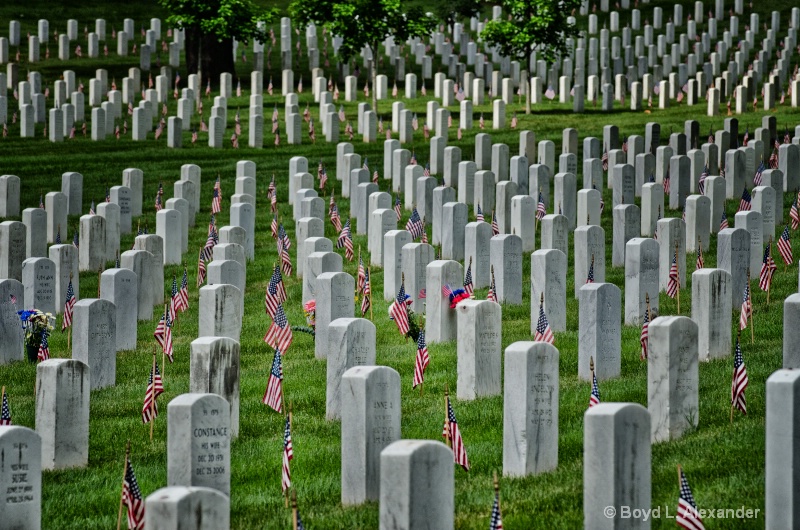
{"x": 199, "y": 442}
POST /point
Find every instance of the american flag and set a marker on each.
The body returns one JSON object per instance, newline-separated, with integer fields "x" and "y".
{"x": 413, "y": 160}
{"x": 426, "y": 172}
{"x": 687, "y": 516}
{"x": 496, "y": 520}
{"x": 699, "y": 263}
{"x": 479, "y": 215}
{"x": 287, "y": 244}
{"x": 794, "y": 214}
{"x": 399, "y": 312}
{"x": 773, "y": 159}
{"x": 362, "y": 275}
{"x": 276, "y": 292}
{"x": 744, "y": 203}
{"x": 5, "y": 413}
{"x": 58, "y": 236}
{"x": 336, "y": 220}
{"x": 666, "y": 182}
{"x": 167, "y": 337}
{"x": 365, "y": 165}
{"x": 481, "y": 122}
{"x": 590, "y": 275}
{"x": 366, "y": 302}
{"x": 271, "y": 189}
{"x": 216, "y": 199}
{"x": 492, "y": 294}
{"x": 345, "y": 240}
{"x": 414, "y": 224}
{"x": 342, "y": 116}
{"x": 211, "y": 242}
{"x": 768, "y": 268}
{"x": 175, "y": 299}
{"x": 723, "y": 224}
{"x": 468, "y": 287}
{"x": 673, "y": 284}
{"x": 415, "y": 122}
{"x": 92, "y": 212}
{"x": 132, "y": 498}
{"x": 159, "y": 194}
{"x": 273, "y": 197}
{"x": 759, "y": 173}
{"x": 279, "y": 335}
{"x": 495, "y": 226}
{"x": 397, "y": 206}
{"x": 288, "y": 455}
{"x": 184, "y": 292}
{"x": 155, "y": 387}
{"x": 44, "y": 347}
{"x": 452, "y": 433}
{"x": 747, "y": 307}
{"x": 201, "y": 270}
{"x": 549, "y": 93}
{"x": 514, "y": 121}
{"x": 323, "y": 178}
{"x": 604, "y": 160}
{"x": 273, "y": 396}
{"x": 541, "y": 210}
{"x": 594, "y": 397}
{"x": 375, "y": 176}
{"x": 785, "y": 246}
{"x": 421, "y": 361}
{"x": 739, "y": 381}
{"x": 645, "y": 333}
{"x": 701, "y": 185}
{"x": 710, "y": 136}
{"x": 543, "y": 331}
{"x": 69, "y": 306}
{"x": 286, "y": 261}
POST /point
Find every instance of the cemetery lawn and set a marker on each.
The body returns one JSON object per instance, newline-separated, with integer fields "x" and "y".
{"x": 723, "y": 461}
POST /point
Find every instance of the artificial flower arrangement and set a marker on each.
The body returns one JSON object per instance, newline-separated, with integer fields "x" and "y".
{"x": 37, "y": 326}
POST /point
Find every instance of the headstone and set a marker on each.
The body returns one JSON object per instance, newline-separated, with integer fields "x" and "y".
{"x": 214, "y": 368}
{"x": 415, "y": 260}
{"x": 616, "y": 465}
{"x": 641, "y": 279}
{"x": 711, "y": 311}
{"x": 72, "y": 187}
{"x": 478, "y": 348}
{"x": 92, "y": 241}
{"x": 12, "y": 249}
{"x": 351, "y": 343}
{"x": 11, "y": 347}
{"x": 62, "y": 412}
{"x": 590, "y": 247}
{"x": 334, "y": 299}
{"x": 199, "y": 442}
{"x": 220, "y": 309}
{"x": 119, "y": 286}
{"x": 627, "y": 221}
{"x": 94, "y": 340}
{"x": 382, "y": 221}
{"x": 21, "y": 477}
{"x": 782, "y": 509}
{"x": 506, "y": 259}
{"x": 417, "y": 486}
{"x": 39, "y": 281}
{"x": 370, "y": 422}
{"x": 173, "y": 507}
{"x": 530, "y": 409}
{"x": 671, "y": 233}
{"x": 243, "y": 214}
{"x": 672, "y": 377}
{"x": 753, "y": 222}
{"x": 477, "y": 251}
{"x": 599, "y": 330}
{"x": 394, "y": 242}
{"x": 9, "y": 195}
{"x": 441, "y": 322}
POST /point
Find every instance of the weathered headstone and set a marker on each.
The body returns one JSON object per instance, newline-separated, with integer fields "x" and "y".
{"x": 672, "y": 377}
{"x": 711, "y": 311}
{"x": 119, "y": 287}
{"x": 351, "y": 343}
{"x": 782, "y": 509}
{"x": 21, "y": 478}
{"x": 35, "y": 221}
{"x": 441, "y": 321}
{"x": 590, "y": 253}
{"x": 334, "y": 299}
{"x": 176, "y": 507}
{"x": 94, "y": 340}
{"x": 39, "y": 281}
{"x": 530, "y": 409}
{"x": 417, "y": 486}
{"x": 733, "y": 256}
{"x": 599, "y": 330}
{"x": 11, "y": 347}
{"x": 549, "y": 278}
{"x": 478, "y": 348}
{"x": 641, "y": 279}
{"x": 506, "y": 258}
{"x": 12, "y": 249}
{"x": 92, "y": 241}
{"x": 214, "y": 368}
{"x": 62, "y": 412}
{"x": 220, "y": 309}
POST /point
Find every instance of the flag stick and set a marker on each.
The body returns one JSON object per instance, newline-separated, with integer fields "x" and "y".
{"x": 99, "y": 275}
{"x": 359, "y": 261}
{"x": 369, "y": 273}
{"x": 591, "y": 367}
{"x": 294, "y": 509}
{"x": 769, "y": 284}
{"x": 124, "y": 472}
{"x": 447, "y": 415}
{"x": 69, "y": 329}
{"x": 752, "y": 328}
{"x": 679, "y": 476}
{"x": 287, "y": 491}
{"x": 497, "y": 490}
{"x": 678, "y": 279}
{"x": 153, "y": 401}
{"x": 163, "y": 350}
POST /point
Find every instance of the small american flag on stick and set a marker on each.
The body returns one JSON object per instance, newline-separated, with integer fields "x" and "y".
{"x": 421, "y": 360}
{"x": 594, "y": 397}
{"x": 279, "y": 335}
{"x": 688, "y": 516}
{"x": 132, "y": 496}
{"x": 543, "y": 331}
{"x": 643, "y": 337}
{"x": 273, "y": 396}
{"x": 452, "y": 434}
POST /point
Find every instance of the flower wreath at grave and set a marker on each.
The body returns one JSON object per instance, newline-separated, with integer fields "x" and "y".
{"x": 310, "y": 311}
{"x": 454, "y": 296}
{"x": 415, "y": 325}
{"x": 37, "y": 326}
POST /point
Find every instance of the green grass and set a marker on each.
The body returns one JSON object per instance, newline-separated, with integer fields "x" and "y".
{"x": 724, "y": 461}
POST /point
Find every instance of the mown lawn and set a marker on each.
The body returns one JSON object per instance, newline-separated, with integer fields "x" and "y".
{"x": 724, "y": 461}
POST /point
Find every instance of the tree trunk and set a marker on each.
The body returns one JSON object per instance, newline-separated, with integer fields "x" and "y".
{"x": 373, "y": 74}
{"x": 217, "y": 58}
{"x": 192, "y": 49}
{"x": 530, "y": 86}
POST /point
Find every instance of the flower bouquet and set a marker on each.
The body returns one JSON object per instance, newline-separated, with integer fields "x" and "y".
{"x": 37, "y": 326}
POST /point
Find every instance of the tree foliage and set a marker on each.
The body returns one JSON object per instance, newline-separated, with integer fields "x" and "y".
{"x": 451, "y": 11}
{"x": 211, "y": 26}
{"x": 363, "y": 23}
{"x": 532, "y": 25}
